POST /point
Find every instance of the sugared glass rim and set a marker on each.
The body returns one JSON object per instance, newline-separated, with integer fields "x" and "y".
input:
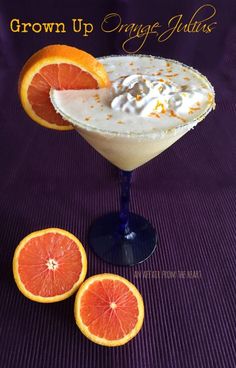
{"x": 156, "y": 133}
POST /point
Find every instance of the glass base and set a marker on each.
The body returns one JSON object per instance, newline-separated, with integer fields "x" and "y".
{"x": 123, "y": 250}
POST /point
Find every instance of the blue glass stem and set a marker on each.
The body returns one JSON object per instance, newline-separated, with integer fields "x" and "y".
{"x": 125, "y": 177}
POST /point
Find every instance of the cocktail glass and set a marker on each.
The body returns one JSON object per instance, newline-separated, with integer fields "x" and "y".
{"x": 125, "y": 238}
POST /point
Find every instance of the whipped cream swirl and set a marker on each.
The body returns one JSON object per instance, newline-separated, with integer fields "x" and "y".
{"x": 147, "y": 95}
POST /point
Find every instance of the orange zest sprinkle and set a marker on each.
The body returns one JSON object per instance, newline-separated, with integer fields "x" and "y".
{"x": 154, "y": 115}
{"x": 173, "y": 114}
{"x": 171, "y": 75}
{"x": 194, "y": 108}
{"x": 210, "y": 97}
{"x": 161, "y": 106}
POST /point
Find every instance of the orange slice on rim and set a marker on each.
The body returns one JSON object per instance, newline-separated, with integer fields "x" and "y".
{"x": 49, "y": 265}
{"x": 109, "y": 310}
{"x": 58, "y": 67}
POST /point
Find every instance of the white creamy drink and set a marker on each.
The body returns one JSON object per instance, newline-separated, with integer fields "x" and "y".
{"x": 151, "y": 103}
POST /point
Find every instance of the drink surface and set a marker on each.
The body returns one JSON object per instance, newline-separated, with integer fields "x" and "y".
{"x": 152, "y": 102}
{"x": 149, "y": 95}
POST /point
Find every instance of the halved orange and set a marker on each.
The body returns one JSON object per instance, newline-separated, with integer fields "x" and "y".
{"x": 59, "y": 67}
{"x": 49, "y": 265}
{"x": 109, "y": 309}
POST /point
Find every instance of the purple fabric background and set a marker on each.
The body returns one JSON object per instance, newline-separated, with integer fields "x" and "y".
{"x": 51, "y": 178}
